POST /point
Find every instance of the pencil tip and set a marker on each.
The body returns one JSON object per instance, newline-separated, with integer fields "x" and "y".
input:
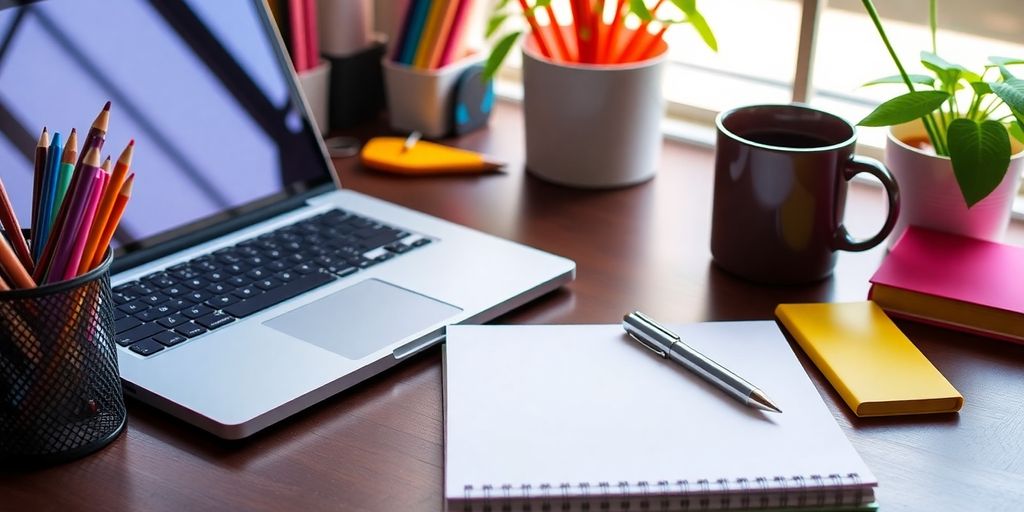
{"x": 761, "y": 401}
{"x": 74, "y": 131}
{"x": 131, "y": 142}
{"x": 106, "y": 106}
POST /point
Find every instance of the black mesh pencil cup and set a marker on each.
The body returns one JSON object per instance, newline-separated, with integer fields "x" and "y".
{"x": 60, "y": 393}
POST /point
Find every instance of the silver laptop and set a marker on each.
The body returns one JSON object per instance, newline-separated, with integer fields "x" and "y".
{"x": 248, "y": 283}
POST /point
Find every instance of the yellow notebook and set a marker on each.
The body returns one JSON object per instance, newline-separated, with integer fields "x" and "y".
{"x": 869, "y": 361}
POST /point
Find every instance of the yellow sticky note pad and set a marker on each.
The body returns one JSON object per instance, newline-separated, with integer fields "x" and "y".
{"x": 389, "y": 154}
{"x": 869, "y": 361}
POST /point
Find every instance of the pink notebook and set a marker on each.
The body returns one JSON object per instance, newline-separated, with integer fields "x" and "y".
{"x": 956, "y": 267}
{"x": 954, "y": 281}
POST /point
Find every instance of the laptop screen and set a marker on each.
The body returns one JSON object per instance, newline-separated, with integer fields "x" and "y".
{"x": 199, "y": 84}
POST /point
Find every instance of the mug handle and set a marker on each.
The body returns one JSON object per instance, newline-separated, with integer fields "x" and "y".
{"x": 842, "y": 240}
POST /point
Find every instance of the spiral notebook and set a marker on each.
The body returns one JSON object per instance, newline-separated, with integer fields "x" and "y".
{"x": 580, "y": 417}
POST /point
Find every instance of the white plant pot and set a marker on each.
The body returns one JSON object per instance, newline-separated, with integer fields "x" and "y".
{"x": 930, "y": 196}
{"x": 592, "y": 126}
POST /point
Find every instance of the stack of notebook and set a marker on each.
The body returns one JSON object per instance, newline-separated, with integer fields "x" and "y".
{"x": 582, "y": 418}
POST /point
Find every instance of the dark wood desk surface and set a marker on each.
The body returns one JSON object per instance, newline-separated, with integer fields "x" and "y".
{"x": 378, "y": 446}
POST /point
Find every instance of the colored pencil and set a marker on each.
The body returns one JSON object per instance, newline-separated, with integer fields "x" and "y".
{"x": 10, "y": 223}
{"x": 438, "y": 46}
{"x": 49, "y": 191}
{"x": 613, "y": 33}
{"x": 312, "y": 34}
{"x": 82, "y": 237}
{"x": 412, "y": 40}
{"x": 638, "y": 36}
{"x": 297, "y": 24}
{"x": 67, "y": 167}
{"x": 431, "y": 30}
{"x": 94, "y": 139}
{"x": 455, "y": 44}
{"x": 403, "y": 31}
{"x": 110, "y": 193}
{"x": 78, "y": 201}
{"x": 3, "y": 285}
{"x": 563, "y": 47}
{"x": 37, "y": 191}
{"x": 538, "y": 36}
{"x": 12, "y": 268}
{"x": 114, "y": 220}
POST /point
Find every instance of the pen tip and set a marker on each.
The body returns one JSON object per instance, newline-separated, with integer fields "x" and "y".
{"x": 763, "y": 402}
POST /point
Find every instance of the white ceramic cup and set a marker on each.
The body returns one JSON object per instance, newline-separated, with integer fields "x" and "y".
{"x": 931, "y": 197}
{"x": 592, "y": 125}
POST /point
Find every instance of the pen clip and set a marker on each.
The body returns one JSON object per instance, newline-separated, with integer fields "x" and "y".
{"x": 645, "y": 344}
{"x": 656, "y": 326}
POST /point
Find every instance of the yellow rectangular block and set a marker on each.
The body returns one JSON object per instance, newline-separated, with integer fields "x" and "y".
{"x": 870, "y": 362}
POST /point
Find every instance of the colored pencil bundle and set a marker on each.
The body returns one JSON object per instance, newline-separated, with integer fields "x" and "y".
{"x": 77, "y": 204}
{"x": 596, "y": 31}
{"x": 433, "y": 33}
{"x": 297, "y": 22}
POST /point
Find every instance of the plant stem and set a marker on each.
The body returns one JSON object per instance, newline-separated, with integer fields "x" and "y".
{"x": 933, "y": 21}
{"x": 929, "y": 123}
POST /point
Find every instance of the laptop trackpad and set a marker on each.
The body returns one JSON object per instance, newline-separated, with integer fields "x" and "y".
{"x": 362, "y": 318}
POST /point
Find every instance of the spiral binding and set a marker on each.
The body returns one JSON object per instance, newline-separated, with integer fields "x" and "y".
{"x": 814, "y": 491}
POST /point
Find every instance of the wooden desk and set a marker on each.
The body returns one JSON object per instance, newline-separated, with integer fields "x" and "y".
{"x": 379, "y": 446}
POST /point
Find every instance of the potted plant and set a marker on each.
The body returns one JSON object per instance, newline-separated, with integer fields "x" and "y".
{"x": 592, "y": 97}
{"x": 955, "y": 143}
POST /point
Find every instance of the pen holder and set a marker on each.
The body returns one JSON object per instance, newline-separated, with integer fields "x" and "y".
{"x": 357, "y": 86}
{"x": 423, "y": 100}
{"x": 315, "y": 83}
{"x": 60, "y": 392}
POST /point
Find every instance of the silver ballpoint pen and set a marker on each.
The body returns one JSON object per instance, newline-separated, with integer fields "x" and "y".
{"x": 669, "y": 345}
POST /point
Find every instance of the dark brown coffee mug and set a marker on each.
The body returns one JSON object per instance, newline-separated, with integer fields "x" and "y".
{"x": 781, "y": 174}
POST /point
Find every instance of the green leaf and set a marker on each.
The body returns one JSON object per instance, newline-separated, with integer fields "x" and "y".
{"x": 947, "y": 72}
{"x": 494, "y": 24}
{"x": 1015, "y": 130}
{"x": 1003, "y": 61}
{"x": 980, "y": 154}
{"x": 1012, "y": 92}
{"x": 1005, "y": 73}
{"x": 906, "y": 107}
{"x": 897, "y": 79}
{"x": 639, "y": 8}
{"x": 501, "y": 5}
{"x": 702, "y": 28}
{"x": 981, "y": 88}
{"x": 498, "y": 54}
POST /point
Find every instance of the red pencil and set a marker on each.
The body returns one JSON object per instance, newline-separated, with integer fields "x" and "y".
{"x": 638, "y": 36}
{"x": 563, "y": 47}
{"x": 535, "y": 28}
{"x": 297, "y": 22}
{"x": 613, "y": 33}
{"x": 10, "y": 223}
{"x": 312, "y": 35}
{"x": 456, "y": 38}
{"x": 82, "y": 238}
{"x": 37, "y": 190}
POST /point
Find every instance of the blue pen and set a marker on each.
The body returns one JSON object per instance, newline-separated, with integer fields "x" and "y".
{"x": 49, "y": 191}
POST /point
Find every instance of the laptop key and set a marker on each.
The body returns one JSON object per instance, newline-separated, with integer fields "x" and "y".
{"x": 279, "y": 295}
{"x": 222, "y": 301}
{"x": 154, "y": 299}
{"x": 121, "y": 288}
{"x": 174, "y": 291}
{"x": 160, "y": 280}
{"x": 196, "y": 283}
{"x": 257, "y": 274}
{"x": 118, "y": 314}
{"x": 268, "y": 284}
{"x": 219, "y": 288}
{"x": 146, "y": 347}
{"x": 169, "y": 339}
{"x": 215, "y": 320}
{"x": 133, "y": 307}
{"x": 198, "y": 296}
{"x": 246, "y": 292}
{"x": 173, "y": 321}
{"x": 126, "y": 323}
{"x": 137, "y": 333}
{"x": 239, "y": 281}
{"x": 217, "y": 276}
{"x": 179, "y": 304}
{"x": 197, "y": 311}
{"x": 189, "y": 330}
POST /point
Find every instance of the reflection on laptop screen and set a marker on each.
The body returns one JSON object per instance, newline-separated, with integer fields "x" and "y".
{"x": 198, "y": 86}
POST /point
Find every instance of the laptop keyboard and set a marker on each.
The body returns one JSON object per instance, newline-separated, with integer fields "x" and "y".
{"x": 177, "y": 304}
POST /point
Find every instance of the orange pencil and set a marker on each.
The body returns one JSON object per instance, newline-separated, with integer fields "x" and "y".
{"x": 9, "y": 220}
{"x": 110, "y": 194}
{"x": 114, "y": 220}
{"x": 652, "y": 45}
{"x": 613, "y": 33}
{"x": 12, "y": 267}
{"x": 3, "y": 285}
{"x": 563, "y": 47}
{"x": 535, "y": 28}
{"x": 638, "y": 36}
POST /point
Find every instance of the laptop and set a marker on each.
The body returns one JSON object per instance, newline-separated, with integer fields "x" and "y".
{"x": 248, "y": 283}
